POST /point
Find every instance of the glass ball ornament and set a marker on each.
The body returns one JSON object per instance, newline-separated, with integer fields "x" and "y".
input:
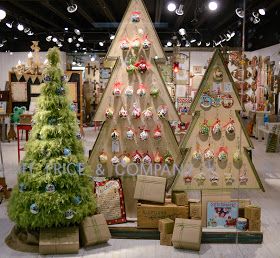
{"x": 60, "y": 91}
{"x": 22, "y": 187}
{"x": 80, "y": 167}
{"x": 69, "y": 214}
{"x": 78, "y": 136}
{"x": 47, "y": 78}
{"x": 52, "y": 121}
{"x": 34, "y": 208}
{"x": 77, "y": 200}
{"x": 50, "y": 188}
{"x": 66, "y": 152}
{"x": 73, "y": 107}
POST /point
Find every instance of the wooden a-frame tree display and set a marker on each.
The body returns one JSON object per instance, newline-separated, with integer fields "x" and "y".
{"x": 136, "y": 109}
{"x": 216, "y": 144}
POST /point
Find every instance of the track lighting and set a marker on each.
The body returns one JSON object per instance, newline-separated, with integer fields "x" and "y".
{"x": 212, "y": 5}
{"x": 77, "y": 31}
{"x": 171, "y": 7}
{"x": 81, "y": 39}
{"x": 193, "y": 40}
{"x": 262, "y": 11}
{"x": 26, "y": 30}
{"x": 54, "y": 39}
{"x": 72, "y": 8}
{"x": 198, "y": 43}
{"x": 78, "y": 44}
{"x": 180, "y": 10}
{"x": 20, "y": 27}
{"x": 101, "y": 43}
{"x": 30, "y": 33}
{"x": 187, "y": 44}
{"x": 239, "y": 12}
{"x": 169, "y": 43}
{"x": 207, "y": 44}
{"x": 112, "y": 36}
{"x": 70, "y": 40}
{"x": 182, "y": 31}
{"x": 2, "y": 14}
{"x": 9, "y": 24}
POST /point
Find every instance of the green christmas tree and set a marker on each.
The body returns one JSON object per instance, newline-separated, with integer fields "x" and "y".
{"x": 54, "y": 188}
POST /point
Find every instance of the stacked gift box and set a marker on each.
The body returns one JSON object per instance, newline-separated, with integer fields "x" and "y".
{"x": 253, "y": 214}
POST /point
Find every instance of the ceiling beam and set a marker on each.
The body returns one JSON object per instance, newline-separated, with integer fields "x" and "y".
{"x": 159, "y": 4}
{"x": 85, "y": 15}
{"x": 106, "y": 10}
{"x": 187, "y": 5}
{"x": 58, "y": 13}
{"x": 34, "y": 14}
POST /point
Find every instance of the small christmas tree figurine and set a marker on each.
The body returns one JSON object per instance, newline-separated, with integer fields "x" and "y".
{"x": 53, "y": 187}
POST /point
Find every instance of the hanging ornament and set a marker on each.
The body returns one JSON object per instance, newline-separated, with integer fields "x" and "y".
{"x": 80, "y": 167}
{"x": 217, "y": 100}
{"x": 115, "y": 135}
{"x": 158, "y": 158}
{"x": 141, "y": 91}
{"x": 188, "y": 174}
{"x": 214, "y": 177}
{"x": 60, "y": 91}
{"x": 124, "y": 44}
{"x": 230, "y": 129}
{"x": 162, "y": 111}
{"x": 128, "y": 91}
{"x": 115, "y": 160}
{"x": 216, "y": 127}
{"x": 222, "y": 154}
{"x": 66, "y": 152}
{"x": 34, "y": 208}
{"x": 73, "y": 107}
{"x": 143, "y": 134}
{"x": 237, "y": 157}
{"x": 227, "y": 101}
{"x": 115, "y": 141}
{"x": 154, "y": 92}
{"x": 200, "y": 178}
{"x": 136, "y": 112}
{"x": 142, "y": 66}
{"x": 204, "y": 128}
{"x": 130, "y": 134}
{"x": 197, "y": 155}
{"x": 123, "y": 113}
{"x": 125, "y": 160}
{"x": 109, "y": 113}
{"x": 69, "y": 214}
{"x": 147, "y": 159}
{"x": 78, "y": 136}
{"x": 47, "y": 78}
{"x": 135, "y": 16}
{"x": 22, "y": 187}
{"x": 157, "y": 133}
{"x": 243, "y": 178}
{"x": 218, "y": 74}
{"x": 209, "y": 154}
{"x": 130, "y": 68}
{"x": 205, "y": 101}
{"x": 148, "y": 113}
{"x": 229, "y": 178}
{"x": 168, "y": 159}
{"x": 52, "y": 121}
{"x": 136, "y": 157}
{"x": 77, "y": 200}
{"x": 50, "y": 188}
{"x": 146, "y": 44}
{"x": 103, "y": 158}
{"x": 136, "y": 44}
{"x": 117, "y": 89}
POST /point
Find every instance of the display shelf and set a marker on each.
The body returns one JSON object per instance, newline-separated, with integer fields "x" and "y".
{"x": 130, "y": 231}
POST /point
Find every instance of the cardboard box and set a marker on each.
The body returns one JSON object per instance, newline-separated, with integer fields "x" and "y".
{"x": 94, "y": 230}
{"x": 242, "y": 204}
{"x": 166, "y": 226}
{"x": 187, "y": 234}
{"x": 252, "y": 212}
{"x": 195, "y": 210}
{"x": 150, "y": 188}
{"x": 180, "y": 198}
{"x": 166, "y": 239}
{"x": 212, "y": 196}
{"x": 148, "y": 215}
{"x": 254, "y": 225}
{"x": 59, "y": 240}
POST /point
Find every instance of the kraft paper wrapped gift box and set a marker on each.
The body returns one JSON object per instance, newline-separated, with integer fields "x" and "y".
{"x": 150, "y": 188}
{"x": 166, "y": 226}
{"x": 195, "y": 210}
{"x": 187, "y": 234}
{"x": 254, "y": 225}
{"x": 148, "y": 215}
{"x": 166, "y": 239}
{"x": 180, "y": 198}
{"x": 59, "y": 240}
{"x": 94, "y": 230}
{"x": 252, "y": 212}
{"x": 242, "y": 203}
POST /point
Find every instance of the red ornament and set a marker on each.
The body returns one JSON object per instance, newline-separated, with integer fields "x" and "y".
{"x": 142, "y": 66}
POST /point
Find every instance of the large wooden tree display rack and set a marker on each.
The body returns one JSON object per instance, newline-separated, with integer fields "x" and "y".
{"x": 136, "y": 108}
{"x": 216, "y": 144}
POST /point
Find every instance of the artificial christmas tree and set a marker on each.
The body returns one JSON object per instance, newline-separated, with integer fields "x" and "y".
{"x": 53, "y": 188}
{"x": 215, "y": 146}
{"x": 136, "y": 109}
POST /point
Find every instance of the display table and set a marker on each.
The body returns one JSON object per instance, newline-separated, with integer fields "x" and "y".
{"x": 26, "y": 128}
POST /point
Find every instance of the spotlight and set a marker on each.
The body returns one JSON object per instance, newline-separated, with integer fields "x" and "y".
{"x": 212, "y": 5}
{"x": 255, "y": 14}
{"x": 2, "y": 14}
{"x": 187, "y": 44}
{"x": 256, "y": 20}
{"x": 101, "y": 43}
{"x": 26, "y": 30}
{"x": 81, "y": 39}
{"x": 232, "y": 34}
{"x": 84, "y": 48}
{"x": 262, "y": 11}
{"x": 169, "y": 43}
{"x": 70, "y": 40}
{"x": 72, "y": 8}
{"x": 9, "y": 24}
{"x": 78, "y": 44}
{"x": 156, "y": 57}
{"x": 20, "y": 27}
{"x": 59, "y": 44}
{"x": 54, "y": 39}
{"x": 30, "y": 33}
{"x": 180, "y": 10}
{"x": 112, "y": 36}
{"x": 171, "y": 7}
{"x": 66, "y": 29}
{"x": 1, "y": 44}
{"x": 198, "y": 43}
{"x": 75, "y": 51}
{"x": 77, "y": 31}
{"x": 239, "y": 12}
{"x": 207, "y": 44}
{"x": 49, "y": 38}
{"x": 182, "y": 31}
{"x": 193, "y": 40}
{"x": 46, "y": 61}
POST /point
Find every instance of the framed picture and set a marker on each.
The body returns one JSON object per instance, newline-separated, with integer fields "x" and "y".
{"x": 72, "y": 91}
{"x": 3, "y": 107}
{"x": 222, "y": 214}
{"x": 183, "y": 104}
{"x": 35, "y": 88}
{"x": 19, "y": 91}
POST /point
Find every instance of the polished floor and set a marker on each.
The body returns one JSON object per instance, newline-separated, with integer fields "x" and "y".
{"x": 268, "y": 167}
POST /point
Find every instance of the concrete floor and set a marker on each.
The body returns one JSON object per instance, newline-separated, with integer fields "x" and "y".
{"x": 267, "y": 165}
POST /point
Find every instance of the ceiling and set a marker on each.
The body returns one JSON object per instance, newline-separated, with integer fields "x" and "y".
{"x": 99, "y": 18}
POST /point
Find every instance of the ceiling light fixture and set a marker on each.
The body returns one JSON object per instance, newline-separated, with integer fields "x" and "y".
{"x": 180, "y": 10}
{"x": 171, "y": 7}
{"x": 198, "y": 43}
{"x": 2, "y": 15}
{"x": 178, "y": 43}
{"x": 101, "y": 43}
{"x": 112, "y": 36}
{"x": 81, "y": 39}
{"x": 20, "y": 27}
{"x": 66, "y": 29}
{"x": 9, "y": 24}
{"x": 84, "y": 48}
{"x": 54, "y": 39}
{"x": 1, "y": 44}
{"x": 59, "y": 44}
{"x": 187, "y": 44}
{"x": 193, "y": 40}
{"x": 49, "y": 38}
{"x": 262, "y": 11}
{"x": 182, "y": 31}
{"x": 232, "y": 34}
{"x": 77, "y": 31}
{"x": 169, "y": 43}
{"x": 26, "y": 30}
{"x": 239, "y": 12}
{"x": 30, "y": 33}
{"x": 207, "y": 44}
{"x": 72, "y": 8}
{"x": 70, "y": 40}
{"x": 212, "y": 5}
{"x": 78, "y": 44}
{"x": 92, "y": 59}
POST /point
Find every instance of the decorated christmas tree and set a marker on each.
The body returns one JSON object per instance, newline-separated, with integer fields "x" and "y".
{"x": 53, "y": 187}
{"x": 136, "y": 109}
{"x": 216, "y": 144}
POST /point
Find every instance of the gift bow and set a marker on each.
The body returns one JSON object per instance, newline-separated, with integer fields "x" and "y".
{"x": 222, "y": 148}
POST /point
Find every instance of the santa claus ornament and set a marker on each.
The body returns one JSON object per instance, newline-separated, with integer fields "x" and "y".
{"x": 209, "y": 154}
{"x": 146, "y": 44}
{"x": 123, "y": 113}
{"x": 216, "y": 127}
{"x": 222, "y": 154}
{"x": 141, "y": 91}
{"x": 144, "y": 135}
{"x": 136, "y": 157}
{"x": 130, "y": 134}
{"x": 148, "y": 113}
{"x": 117, "y": 89}
{"x": 136, "y": 112}
{"x": 135, "y": 16}
{"x": 142, "y": 66}
{"x": 157, "y": 133}
{"x": 124, "y": 45}
{"x": 128, "y": 91}
{"x": 147, "y": 159}
{"x": 229, "y": 128}
{"x": 115, "y": 160}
